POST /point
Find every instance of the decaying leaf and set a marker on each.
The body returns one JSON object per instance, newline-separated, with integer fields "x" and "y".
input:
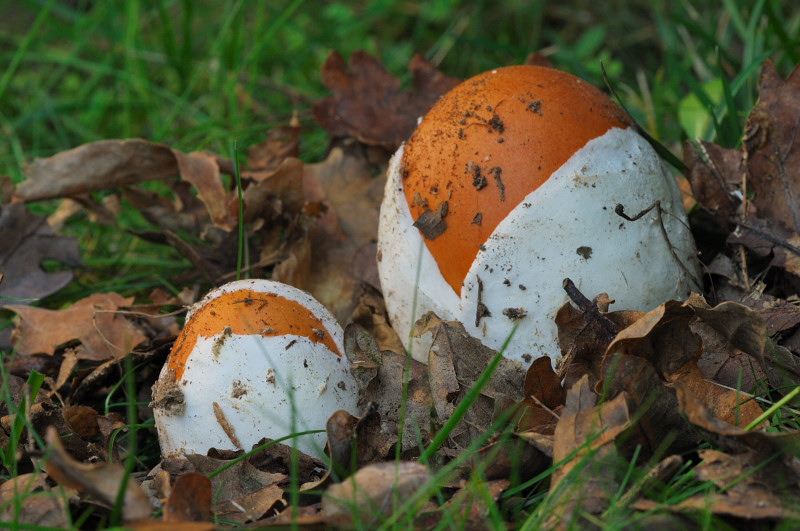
{"x": 102, "y": 480}
{"x": 366, "y": 101}
{"x": 382, "y": 376}
{"x": 189, "y": 499}
{"x": 27, "y": 500}
{"x": 766, "y": 168}
{"x": 455, "y": 362}
{"x": 584, "y": 481}
{"x": 27, "y": 241}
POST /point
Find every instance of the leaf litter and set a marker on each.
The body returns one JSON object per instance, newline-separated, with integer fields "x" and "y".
{"x": 636, "y": 399}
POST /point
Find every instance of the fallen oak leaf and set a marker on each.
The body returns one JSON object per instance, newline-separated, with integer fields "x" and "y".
{"x": 382, "y": 376}
{"x": 101, "y": 480}
{"x": 92, "y": 321}
{"x": 366, "y": 101}
{"x": 456, "y": 361}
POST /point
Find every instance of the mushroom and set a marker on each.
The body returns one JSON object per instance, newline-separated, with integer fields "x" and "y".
{"x": 255, "y": 359}
{"x": 509, "y": 185}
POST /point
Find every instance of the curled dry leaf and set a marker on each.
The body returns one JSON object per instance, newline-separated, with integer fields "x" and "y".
{"x": 367, "y": 103}
{"x": 738, "y": 439}
{"x": 110, "y": 164}
{"x": 28, "y": 241}
{"x": 101, "y": 480}
{"x": 373, "y": 493}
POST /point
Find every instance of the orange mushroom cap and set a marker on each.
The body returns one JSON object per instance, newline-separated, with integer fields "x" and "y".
{"x": 247, "y": 312}
{"x": 486, "y": 145}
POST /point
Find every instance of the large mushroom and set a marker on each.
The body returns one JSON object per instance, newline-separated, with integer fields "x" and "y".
{"x": 510, "y": 184}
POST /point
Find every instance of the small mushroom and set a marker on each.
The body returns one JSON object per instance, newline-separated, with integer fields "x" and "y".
{"x": 255, "y": 359}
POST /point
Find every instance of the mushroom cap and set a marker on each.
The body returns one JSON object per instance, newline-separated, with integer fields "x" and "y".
{"x": 487, "y": 144}
{"x": 561, "y": 222}
{"x": 255, "y": 359}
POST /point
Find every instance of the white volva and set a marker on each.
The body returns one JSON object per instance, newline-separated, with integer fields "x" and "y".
{"x": 565, "y": 228}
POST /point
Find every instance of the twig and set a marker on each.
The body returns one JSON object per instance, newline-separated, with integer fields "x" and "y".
{"x": 589, "y": 309}
{"x": 620, "y": 211}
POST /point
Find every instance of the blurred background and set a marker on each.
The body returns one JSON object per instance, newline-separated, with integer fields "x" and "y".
{"x": 198, "y": 73}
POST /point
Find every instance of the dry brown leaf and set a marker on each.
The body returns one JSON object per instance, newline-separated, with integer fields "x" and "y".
{"x": 26, "y": 500}
{"x": 82, "y": 420}
{"x": 235, "y": 482}
{"x": 661, "y": 336}
{"x": 590, "y": 431}
{"x": 760, "y": 479}
{"x": 660, "y": 426}
{"x": 382, "y": 377}
{"x": 583, "y": 340}
{"x": 251, "y": 507}
{"x": 367, "y": 103}
{"x": 101, "y": 480}
{"x": 767, "y": 166}
{"x": 751, "y": 487}
{"x": 96, "y": 166}
{"x": 728, "y": 405}
{"x": 372, "y": 493}
{"x": 189, "y": 499}
{"x": 149, "y": 524}
{"x": 736, "y": 439}
{"x": 371, "y": 314}
{"x": 27, "y": 242}
{"x": 346, "y": 184}
{"x": 108, "y": 164}
{"x": 103, "y": 333}
{"x": 281, "y": 143}
{"x": 543, "y": 396}
{"x": 471, "y": 504}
